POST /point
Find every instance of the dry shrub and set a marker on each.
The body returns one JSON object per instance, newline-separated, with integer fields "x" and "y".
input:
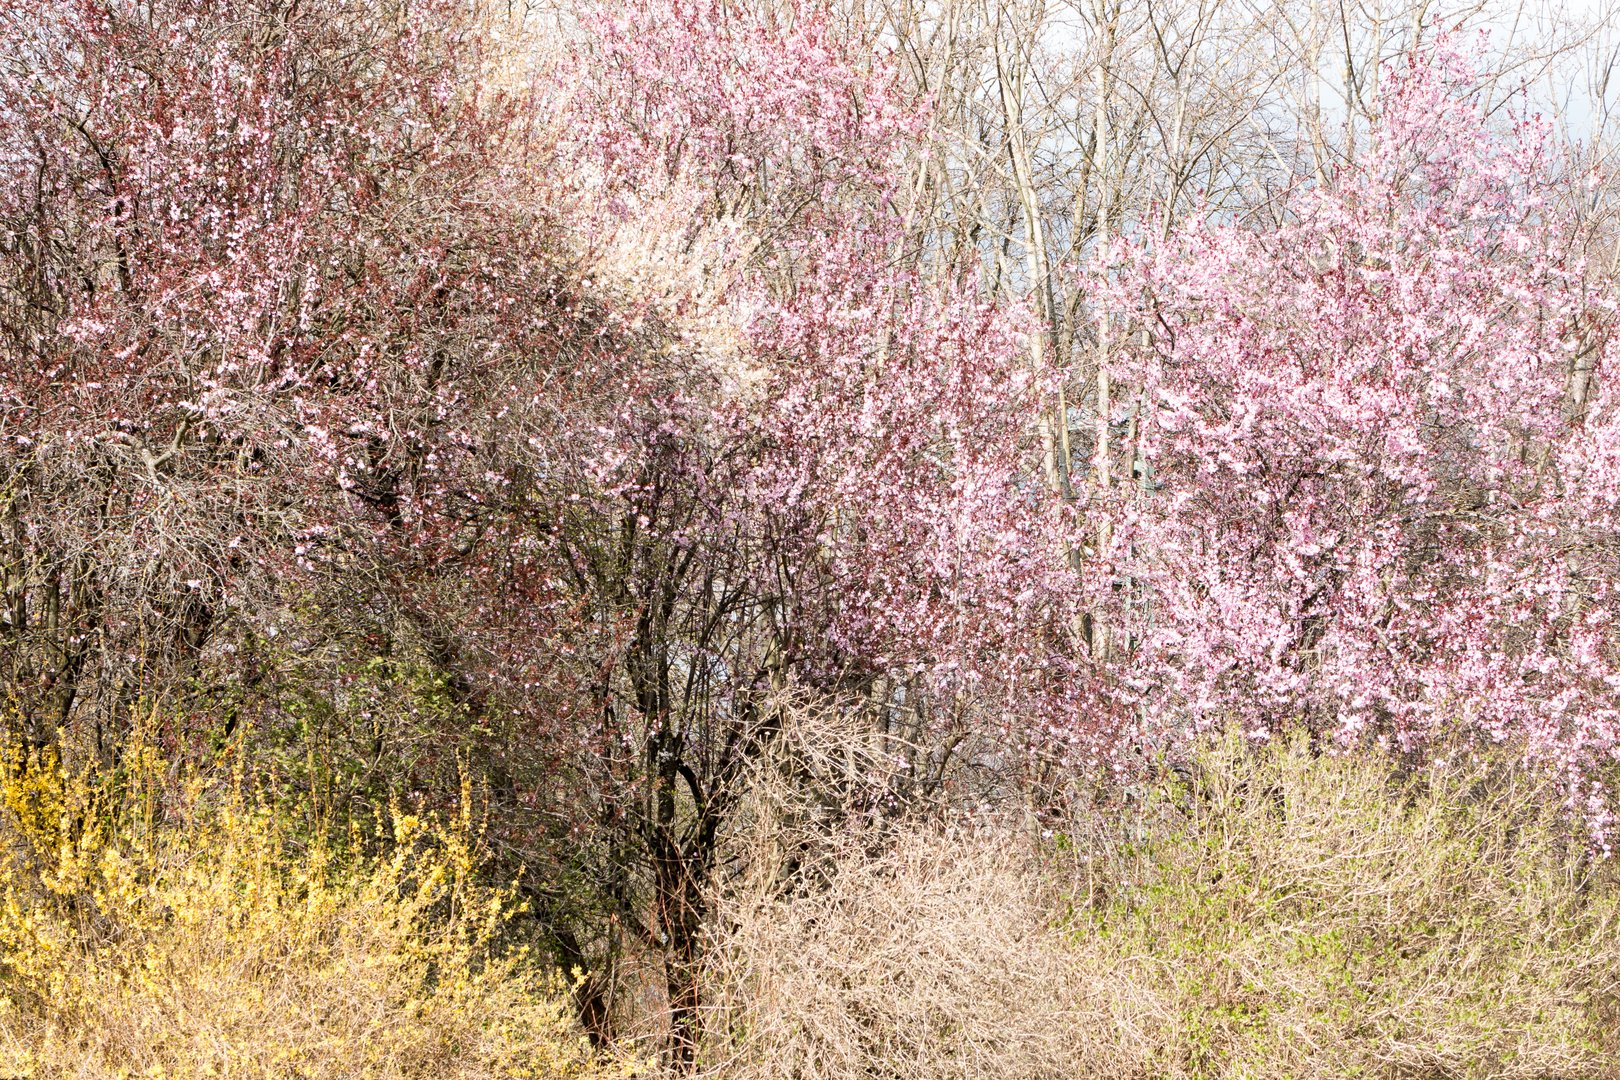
{"x": 855, "y": 936}
{"x": 932, "y": 958}
{"x": 217, "y": 946}
{"x": 1280, "y": 915}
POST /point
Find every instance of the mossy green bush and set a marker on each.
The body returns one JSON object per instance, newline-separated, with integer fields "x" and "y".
{"x": 1270, "y": 912}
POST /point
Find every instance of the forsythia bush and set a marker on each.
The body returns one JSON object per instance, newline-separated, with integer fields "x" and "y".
{"x": 217, "y": 946}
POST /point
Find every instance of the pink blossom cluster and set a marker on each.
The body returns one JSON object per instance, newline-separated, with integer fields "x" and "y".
{"x": 886, "y": 416}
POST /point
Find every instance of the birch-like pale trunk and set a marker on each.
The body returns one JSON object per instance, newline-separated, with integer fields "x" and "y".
{"x": 1054, "y": 436}
{"x": 1107, "y": 25}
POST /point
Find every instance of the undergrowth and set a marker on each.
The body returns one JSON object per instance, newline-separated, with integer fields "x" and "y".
{"x": 1273, "y": 914}
{"x": 1264, "y": 913}
{"x": 1278, "y": 913}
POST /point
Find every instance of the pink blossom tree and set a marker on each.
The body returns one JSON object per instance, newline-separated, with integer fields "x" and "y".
{"x": 1369, "y": 491}
{"x": 829, "y": 497}
{"x": 331, "y": 346}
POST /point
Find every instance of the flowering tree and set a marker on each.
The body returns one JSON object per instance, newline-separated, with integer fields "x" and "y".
{"x": 262, "y": 265}
{"x": 1367, "y": 487}
{"x": 827, "y": 497}
{"x": 336, "y": 344}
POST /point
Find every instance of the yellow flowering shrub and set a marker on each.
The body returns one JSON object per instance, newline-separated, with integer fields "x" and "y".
{"x": 202, "y": 938}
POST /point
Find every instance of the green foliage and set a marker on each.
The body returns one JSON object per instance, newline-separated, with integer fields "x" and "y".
{"x": 1289, "y": 914}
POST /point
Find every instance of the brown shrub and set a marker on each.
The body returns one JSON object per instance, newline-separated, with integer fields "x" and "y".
{"x": 935, "y": 958}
